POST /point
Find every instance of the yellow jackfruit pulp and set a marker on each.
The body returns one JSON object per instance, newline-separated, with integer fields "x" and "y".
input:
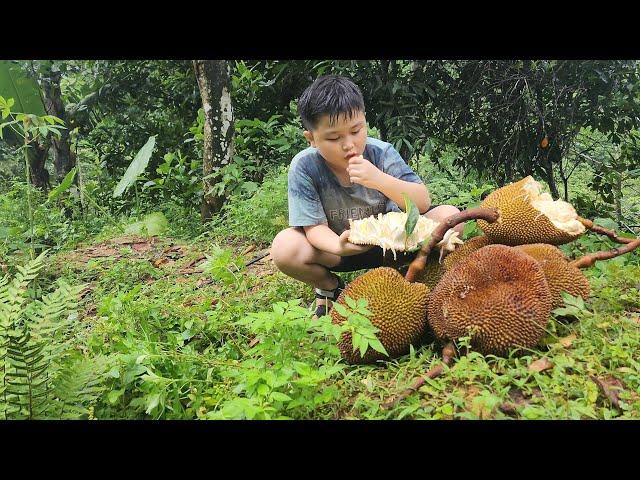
{"x": 399, "y": 310}
{"x": 529, "y": 216}
{"x": 388, "y": 231}
{"x": 497, "y": 295}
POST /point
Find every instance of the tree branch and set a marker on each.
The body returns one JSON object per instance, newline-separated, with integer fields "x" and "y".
{"x": 418, "y": 264}
{"x": 604, "y": 231}
{"x": 589, "y": 260}
{"x": 448, "y": 353}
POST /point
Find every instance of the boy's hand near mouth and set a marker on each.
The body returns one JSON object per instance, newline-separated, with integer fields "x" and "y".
{"x": 363, "y": 172}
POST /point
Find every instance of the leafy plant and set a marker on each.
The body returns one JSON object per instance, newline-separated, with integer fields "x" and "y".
{"x": 363, "y": 332}
{"x": 136, "y": 167}
{"x": 178, "y": 180}
{"x": 34, "y": 340}
{"x": 258, "y": 217}
{"x": 278, "y": 378}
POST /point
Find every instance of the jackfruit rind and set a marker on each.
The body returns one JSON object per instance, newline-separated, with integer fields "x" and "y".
{"x": 469, "y": 246}
{"x": 388, "y": 231}
{"x": 528, "y": 216}
{"x": 498, "y": 295}
{"x": 433, "y": 270}
{"x": 560, "y": 274}
{"x": 399, "y": 310}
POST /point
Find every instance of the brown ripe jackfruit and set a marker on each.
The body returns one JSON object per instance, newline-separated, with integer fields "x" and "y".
{"x": 560, "y": 274}
{"x": 433, "y": 270}
{"x": 498, "y": 295}
{"x": 462, "y": 251}
{"x": 399, "y": 310}
{"x": 527, "y": 216}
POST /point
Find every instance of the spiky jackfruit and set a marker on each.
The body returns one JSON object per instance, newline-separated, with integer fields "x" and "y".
{"x": 462, "y": 251}
{"x": 497, "y": 295}
{"x": 528, "y": 216}
{"x": 433, "y": 270}
{"x": 388, "y": 231}
{"x": 399, "y": 310}
{"x": 560, "y": 274}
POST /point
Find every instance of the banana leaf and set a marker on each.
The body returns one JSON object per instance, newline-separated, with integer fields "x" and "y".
{"x": 137, "y": 166}
{"x": 23, "y": 89}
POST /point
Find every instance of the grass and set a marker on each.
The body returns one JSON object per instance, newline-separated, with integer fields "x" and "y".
{"x": 177, "y": 327}
{"x": 183, "y": 341}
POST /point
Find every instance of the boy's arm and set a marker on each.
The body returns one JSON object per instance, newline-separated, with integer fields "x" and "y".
{"x": 365, "y": 173}
{"x": 393, "y": 188}
{"x": 324, "y": 239}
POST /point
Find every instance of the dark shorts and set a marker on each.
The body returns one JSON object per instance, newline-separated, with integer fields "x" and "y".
{"x": 373, "y": 258}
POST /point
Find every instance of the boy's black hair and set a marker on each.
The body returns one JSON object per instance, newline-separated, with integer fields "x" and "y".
{"x": 329, "y": 94}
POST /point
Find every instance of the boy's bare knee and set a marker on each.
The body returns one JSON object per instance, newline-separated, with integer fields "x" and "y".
{"x": 442, "y": 212}
{"x": 286, "y": 247}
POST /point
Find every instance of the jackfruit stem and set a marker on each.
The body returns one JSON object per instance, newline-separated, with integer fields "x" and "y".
{"x": 603, "y": 231}
{"x": 588, "y": 260}
{"x": 448, "y": 354}
{"x": 418, "y": 264}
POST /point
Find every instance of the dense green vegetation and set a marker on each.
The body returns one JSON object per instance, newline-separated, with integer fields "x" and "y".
{"x": 130, "y": 307}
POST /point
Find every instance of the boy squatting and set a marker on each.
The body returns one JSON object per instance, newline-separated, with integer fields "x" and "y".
{"x": 343, "y": 174}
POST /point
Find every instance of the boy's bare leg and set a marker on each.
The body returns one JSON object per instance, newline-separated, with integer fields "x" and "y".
{"x": 296, "y": 257}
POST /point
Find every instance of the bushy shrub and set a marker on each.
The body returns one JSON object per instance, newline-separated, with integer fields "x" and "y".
{"x": 260, "y": 217}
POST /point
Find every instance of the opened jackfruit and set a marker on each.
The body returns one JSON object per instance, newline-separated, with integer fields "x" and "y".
{"x": 388, "y": 231}
{"x": 528, "y": 216}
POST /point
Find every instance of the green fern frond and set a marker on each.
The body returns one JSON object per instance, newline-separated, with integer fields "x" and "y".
{"x": 34, "y": 342}
{"x": 80, "y": 384}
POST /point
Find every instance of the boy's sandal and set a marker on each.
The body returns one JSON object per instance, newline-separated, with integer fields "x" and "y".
{"x": 328, "y": 295}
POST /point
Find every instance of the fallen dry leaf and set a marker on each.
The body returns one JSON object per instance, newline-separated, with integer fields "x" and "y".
{"x": 518, "y": 399}
{"x": 568, "y": 340}
{"x": 203, "y": 281}
{"x": 610, "y": 387}
{"x": 101, "y": 252}
{"x": 249, "y": 249}
{"x": 161, "y": 261}
{"x": 264, "y": 273}
{"x": 188, "y": 271}
{"x": 141, "y": 246}
{"x": 194, "y": 261}
{"x": 254, "y": 342}
{"x": 540, "y": 365}
{"x": 517, "y": 396}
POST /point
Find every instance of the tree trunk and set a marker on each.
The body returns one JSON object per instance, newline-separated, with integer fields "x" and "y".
{"x": 618, "y": 199}
{"x": 551, "y": 181}
{"x": 39, "y": 175}
{"x": 565, "y": 182}
{"x": 214, "y": 83}
{"x": 63, "y": 158}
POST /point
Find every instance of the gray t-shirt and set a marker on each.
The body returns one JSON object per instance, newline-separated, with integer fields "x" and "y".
{"x": 316, "y": 196}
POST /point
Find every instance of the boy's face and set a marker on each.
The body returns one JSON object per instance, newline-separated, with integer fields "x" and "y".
{"x": 341, "y": 140}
